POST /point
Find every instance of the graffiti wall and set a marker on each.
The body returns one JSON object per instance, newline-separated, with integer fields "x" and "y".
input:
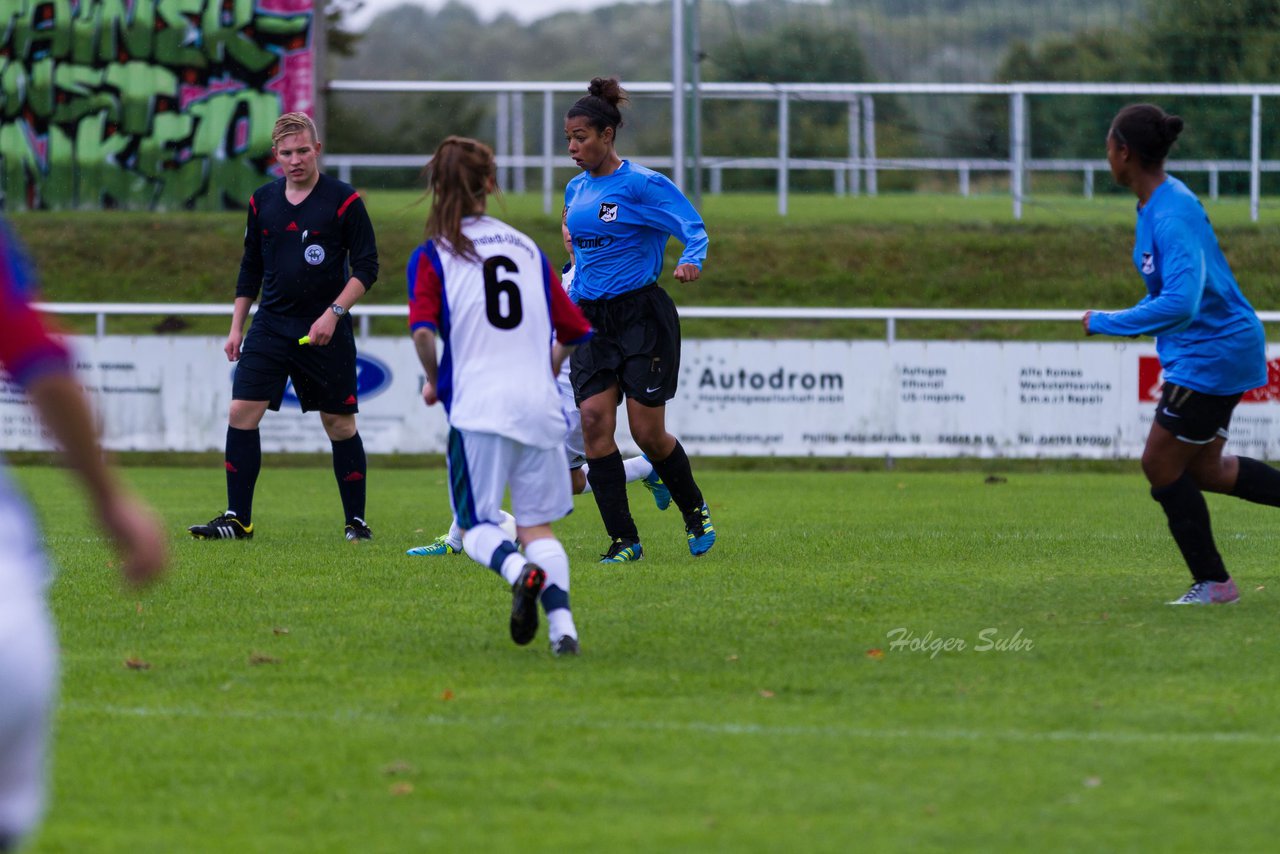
{"x": 146, "y": 104}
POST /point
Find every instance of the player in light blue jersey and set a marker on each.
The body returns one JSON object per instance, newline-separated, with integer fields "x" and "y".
{"x": 621, "y": 215}
{"x": 1210, "y": 342}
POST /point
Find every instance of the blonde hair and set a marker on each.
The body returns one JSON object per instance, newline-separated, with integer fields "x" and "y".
{"x": 291, "y": 123}
{"x": 459, "y": 178}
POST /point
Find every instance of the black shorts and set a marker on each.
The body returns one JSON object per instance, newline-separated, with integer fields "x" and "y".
{"x": 324, "y": 378}
{"x": 1194, "y": 416}
{"x": 636, "y": 345}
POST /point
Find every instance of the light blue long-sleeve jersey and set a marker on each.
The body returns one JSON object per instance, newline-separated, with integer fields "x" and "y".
{"x": 620, "y": 224}
{"x": 1207, "y": 334}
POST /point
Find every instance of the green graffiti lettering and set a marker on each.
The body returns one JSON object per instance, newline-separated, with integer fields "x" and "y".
{"x": 163, "y": 156}
{"x": 108, "y": 31}
{"x": 40, "y": 88}
{"x": 218, "y": 117}
{"x": 178, "y": 44}
{"x": 224, "y": 35}
{"x": 91, "y": 92}
{"x": 21, "y": 166}
{"x": 140, "y": 84}
{"x": 232, "y": 177}
{"x": 35, "y": 29}
{"x": 104, "y": 180}
{"x": 12, "y": 80}
{"x": 58, "y": 189}
{"x": 78, "y": 92}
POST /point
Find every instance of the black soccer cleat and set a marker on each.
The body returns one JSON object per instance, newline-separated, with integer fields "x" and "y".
{"x": 524, "y": 603}
{"x": 565, "y": 646}
{"x": 357, "y": 530}
{"x": 225, "y": 527}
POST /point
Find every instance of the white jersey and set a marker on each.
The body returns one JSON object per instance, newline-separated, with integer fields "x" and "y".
{"x": 497, "y": 318}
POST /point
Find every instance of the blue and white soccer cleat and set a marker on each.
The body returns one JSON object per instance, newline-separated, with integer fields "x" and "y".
{"x": 1209, "y": 593}
{"x": 438, "y": 546}
{"x": 658, "y": 489}
{"x": 621, "y": 551}
{"x": 700, "y": 531}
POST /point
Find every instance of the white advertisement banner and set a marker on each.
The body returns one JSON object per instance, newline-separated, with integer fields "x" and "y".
{"x": 753, "y": 398}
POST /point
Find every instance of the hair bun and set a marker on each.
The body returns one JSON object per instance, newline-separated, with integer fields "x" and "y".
{"x": 607, "y": 89}
{"x": 1172, "y": 127}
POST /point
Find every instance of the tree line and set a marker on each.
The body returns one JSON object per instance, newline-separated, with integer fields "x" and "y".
{"x": 844, "y": 41}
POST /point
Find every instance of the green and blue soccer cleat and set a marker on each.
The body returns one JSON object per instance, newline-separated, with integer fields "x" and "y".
{"x": 699, "y": 530}
{"x": 622, "y": 551}
{"x": 658, "y": 489}
{"x": 435, "y": 548}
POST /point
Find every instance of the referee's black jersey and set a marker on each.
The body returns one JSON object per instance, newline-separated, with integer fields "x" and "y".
{"x": 301, "y": 256}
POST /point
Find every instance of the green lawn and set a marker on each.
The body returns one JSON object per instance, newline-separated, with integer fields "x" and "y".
{"x": 304, "y": 694}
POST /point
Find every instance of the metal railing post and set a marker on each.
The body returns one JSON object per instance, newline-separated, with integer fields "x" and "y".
{"x": 784, "y": 143}
{"x": 1255, "y": 156}
{"x": 1017, "y": 149}
{"x": 548, "y": 156}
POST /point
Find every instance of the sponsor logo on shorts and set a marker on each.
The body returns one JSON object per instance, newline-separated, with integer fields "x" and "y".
{"x": 314, "y": 254}
{"x": 608, "y": 211}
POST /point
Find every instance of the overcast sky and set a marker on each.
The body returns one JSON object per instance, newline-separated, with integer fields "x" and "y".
{"x": 524, "y": 10}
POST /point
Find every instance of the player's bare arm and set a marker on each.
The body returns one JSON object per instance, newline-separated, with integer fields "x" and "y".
{"x": 424, "y": 343}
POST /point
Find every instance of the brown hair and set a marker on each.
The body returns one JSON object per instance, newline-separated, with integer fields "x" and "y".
{"x": 1147, "y": 131}
{"x": 600, "y": 104}
{"x": 459, "y": 178}
{"x": 291, "y": 123}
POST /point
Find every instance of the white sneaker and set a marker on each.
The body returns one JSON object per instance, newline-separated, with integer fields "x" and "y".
{"x": 1209, "y": 593}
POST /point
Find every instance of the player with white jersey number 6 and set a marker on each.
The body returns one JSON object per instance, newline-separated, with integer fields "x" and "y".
{"x": 491, "y": 296}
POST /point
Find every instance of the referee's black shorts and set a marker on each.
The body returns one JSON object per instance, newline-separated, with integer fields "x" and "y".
{"x": 636, "y": 346}
{"x": 324, "y": 378}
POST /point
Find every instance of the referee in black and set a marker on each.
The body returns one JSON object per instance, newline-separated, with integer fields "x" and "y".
{"x": 309, "y": 249}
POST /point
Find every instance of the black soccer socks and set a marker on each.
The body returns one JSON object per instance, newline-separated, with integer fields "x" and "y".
{"x": 1188, "y": 515}
{"x": 350, "y": 467}
{"x": 608, "y": 478}
{"x": 243, "y": 462}
{"x": 677, "y": 473}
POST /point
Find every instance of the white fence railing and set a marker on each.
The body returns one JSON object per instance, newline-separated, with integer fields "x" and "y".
{"x": 102, "y": 310}
{"x": 861, "y": 166}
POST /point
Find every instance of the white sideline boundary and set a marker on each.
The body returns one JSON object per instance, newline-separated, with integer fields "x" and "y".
{"x": 703, "y": 727}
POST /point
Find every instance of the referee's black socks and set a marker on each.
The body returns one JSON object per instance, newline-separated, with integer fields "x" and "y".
{"x": 1188, "y": 515}
{"x": 677, "y": 474}
{"x": 350, "y": 467}
{"x": 608, "y": 478}
{"x": 243, "y": 462}
{"x": 1257, "y": 482}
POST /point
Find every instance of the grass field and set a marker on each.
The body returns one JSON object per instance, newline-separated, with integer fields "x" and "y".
{"x": 912, "y": 250}
{"x": 303, "y": 694}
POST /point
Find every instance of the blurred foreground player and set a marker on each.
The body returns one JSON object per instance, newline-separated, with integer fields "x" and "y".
{"x": 38, "y": 362}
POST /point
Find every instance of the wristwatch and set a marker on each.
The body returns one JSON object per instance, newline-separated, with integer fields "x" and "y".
{"x": 337, "y": 309}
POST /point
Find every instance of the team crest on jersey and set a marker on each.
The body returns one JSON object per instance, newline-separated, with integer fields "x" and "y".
{"x": 608, "y": 211}
{"x": 314, "y": 254}
{"x": 1148, "y": 264}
